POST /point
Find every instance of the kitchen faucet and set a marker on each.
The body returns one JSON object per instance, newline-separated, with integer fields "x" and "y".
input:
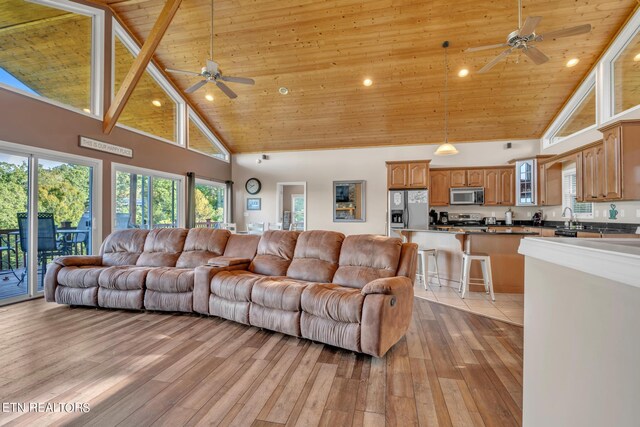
{"x": 572, "y": 218}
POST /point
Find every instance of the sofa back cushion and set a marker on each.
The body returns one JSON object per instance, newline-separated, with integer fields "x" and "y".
{"x": 275, "y": 252}
{"x": 123, "y": 247}
{"x": 367, "y": 257}
{"x": 201, "y": 245}
{"x": 162, "y": 247}
{"x": 242, "y": 246}
{"x": 316, "y": 256}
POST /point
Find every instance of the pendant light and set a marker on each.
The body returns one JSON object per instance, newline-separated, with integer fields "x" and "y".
{"x": 446, "y": 149}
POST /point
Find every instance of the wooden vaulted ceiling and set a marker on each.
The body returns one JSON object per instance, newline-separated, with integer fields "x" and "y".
{"x": 322, "y": 50}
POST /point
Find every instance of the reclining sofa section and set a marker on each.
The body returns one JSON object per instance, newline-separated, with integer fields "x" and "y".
{"x": 353, "y": 292}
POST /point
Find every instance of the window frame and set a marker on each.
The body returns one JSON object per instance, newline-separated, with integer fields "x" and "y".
{"x": 96, "y": 86}
{"x": 199, "y": 123}
{"x": 572, "y": 170}
{"x": 151, "y": 173}
{"x": 225, "y": 187}
{"x": 128, "y": 41}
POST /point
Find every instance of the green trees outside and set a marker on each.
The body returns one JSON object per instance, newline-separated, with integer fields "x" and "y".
{"x": 209, "y": 203}
{"x": 63, "y": 190}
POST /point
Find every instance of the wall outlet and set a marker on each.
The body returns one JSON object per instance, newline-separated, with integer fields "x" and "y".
{"x": 553, "y": 214}
{"x": 528, "y": 214}
{"x": 605, "y": 214}
{"x": 621, "y": 213}
{"x": 597, "y": 213}
{"x": 493, "y": 213}
{"x": 637, "y": 213}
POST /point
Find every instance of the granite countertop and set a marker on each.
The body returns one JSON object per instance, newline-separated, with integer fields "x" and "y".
{"x": 587, "y": 229}
{"x": 457, "y": 230}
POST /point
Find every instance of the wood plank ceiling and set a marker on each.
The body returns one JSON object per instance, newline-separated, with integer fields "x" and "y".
{"x": 322, "y": 50}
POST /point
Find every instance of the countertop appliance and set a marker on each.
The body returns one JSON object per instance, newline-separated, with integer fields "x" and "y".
{"x": 508, "y": 217}
{"x": 467, "y": 196}
{"x": 408, "y": 209}
{"x": 444, "y": 218}
{"x": 563, "y": 232}
{"x": 465, "y": 219}
{"x": 490, "y": 220}
{"x": 433, "y": 217}
{"x": 536, "y": 219}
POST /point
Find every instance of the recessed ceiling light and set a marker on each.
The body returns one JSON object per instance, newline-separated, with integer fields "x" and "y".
{"x": 86, "y": 110}
{"x": 283, "y": 90}
{"x": 208, "y": 97}
{"x": 463, "y": 73}
{"x": 367, "y": 82}
{"x": 156, "y": 103}
{"x": 572, "y": 62}
{"x": 636, "y": 58}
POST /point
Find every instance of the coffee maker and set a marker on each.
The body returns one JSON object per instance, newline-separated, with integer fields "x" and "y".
{"x": 433, "y": 217}
{"x": 537, "y": 218}
{"x": 444, "y": 218}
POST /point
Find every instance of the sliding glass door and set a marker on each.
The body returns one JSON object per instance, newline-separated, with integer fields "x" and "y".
{"x": 46, "y": 211}
{"x": 210, "y": 203}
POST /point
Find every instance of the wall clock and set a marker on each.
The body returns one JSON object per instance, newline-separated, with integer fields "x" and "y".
{"x": 253, "y": 186}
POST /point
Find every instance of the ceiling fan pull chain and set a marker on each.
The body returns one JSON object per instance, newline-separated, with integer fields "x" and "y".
{"x": 211, "y": 45}
{"x": 519, "y": 14}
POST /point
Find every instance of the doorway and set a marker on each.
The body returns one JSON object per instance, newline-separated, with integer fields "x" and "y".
{"x": 291, "y": 206}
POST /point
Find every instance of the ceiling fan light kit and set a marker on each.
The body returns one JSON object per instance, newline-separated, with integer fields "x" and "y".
{"x": 212, "y": 73}
{"x": 446, "y": 149}
{"x": 525, "y": 39}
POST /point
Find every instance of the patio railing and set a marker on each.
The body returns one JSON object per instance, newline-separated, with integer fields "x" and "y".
{"x": 11, "y": 255}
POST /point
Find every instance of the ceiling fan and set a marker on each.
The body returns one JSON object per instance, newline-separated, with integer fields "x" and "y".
{"x": 524, "y": 38}
{"x": 212, "y": 73}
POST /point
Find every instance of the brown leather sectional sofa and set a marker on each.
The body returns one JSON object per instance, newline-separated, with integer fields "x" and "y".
{"x": 353, "y": 292}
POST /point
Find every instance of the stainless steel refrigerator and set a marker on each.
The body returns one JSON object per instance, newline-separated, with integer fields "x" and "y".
{"x": 408, "y": 209}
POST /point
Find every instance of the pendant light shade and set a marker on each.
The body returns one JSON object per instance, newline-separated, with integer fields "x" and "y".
{"x": 446, "y": 149}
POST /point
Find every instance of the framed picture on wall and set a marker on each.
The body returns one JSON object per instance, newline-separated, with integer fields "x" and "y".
{"x": 254, "y": 203}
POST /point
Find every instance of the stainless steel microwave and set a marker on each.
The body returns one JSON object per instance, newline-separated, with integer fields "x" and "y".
{"x": 467, "y": 196}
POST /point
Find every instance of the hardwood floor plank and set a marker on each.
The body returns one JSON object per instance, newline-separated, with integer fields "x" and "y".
{"x": 315, "y": 402}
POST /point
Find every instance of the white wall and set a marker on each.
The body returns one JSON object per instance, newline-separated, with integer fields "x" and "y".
{"x": 321, "y": 167}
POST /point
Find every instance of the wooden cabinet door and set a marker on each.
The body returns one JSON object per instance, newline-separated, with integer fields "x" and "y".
{"x": 397, "y": 176}
{"x": 542, "y": 187}
{"x": 507, "y": 195}
{"x": 553, "y": 184}
{"x": 612, "y": 164}
{"x": 439, "y": 188}
{"x": 491, "y": 187}
{"x": 589, "y": 186}
{"x": 475, "y": 178}
{"x": 458, "y": 178}
{"x": 579, "y": 173}
{"x": 600, "y": 174}
{"x": 418, "y": 175}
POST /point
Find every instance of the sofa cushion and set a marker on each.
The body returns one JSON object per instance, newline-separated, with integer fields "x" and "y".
{"x": 123, "y": 247}
{"x": 335, "y": 302}
{"x": 234, "y": 285}
{"x": 162, "y": 247}
{"x": 367, "y": 257}
{"x": 275, "y": 252}
{"x": 77, "y": 296}
{"x": 201, "y": 245}
{"x": 170, "y": 279}
{"x": 316, "y": 256}
{"x": 280, "y": 293}
{"x": 242, "y": 246}
{"x": 79, "y": 277}
{"x": 339, "y": 334}
{"x": 168, "y": 301}
{"x": 123, "y": 277}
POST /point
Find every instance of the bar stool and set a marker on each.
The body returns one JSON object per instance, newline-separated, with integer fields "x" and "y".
{"x": 423, "y": 258}
{"x": 485, "y": 263}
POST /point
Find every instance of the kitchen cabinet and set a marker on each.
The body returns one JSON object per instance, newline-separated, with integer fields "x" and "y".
{"x": 550, "y": 184}
{"x": 498, "y": 187}
{"x": 475, "y": 177}
{"x": 458, "y": 178}
{"x": 612, "y": 185}
{"x": 439, "y": 188}
{"x": 408, "y": 175}
{"x": 590, "y": 179}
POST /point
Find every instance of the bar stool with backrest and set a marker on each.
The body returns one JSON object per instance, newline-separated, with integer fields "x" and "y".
{"x": 487, "y": 278}
{"x": 255, "y": 228}
{"x": 423, "y": 259}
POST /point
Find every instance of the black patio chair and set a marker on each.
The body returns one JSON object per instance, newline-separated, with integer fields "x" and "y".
{"x": 48, "y": 244}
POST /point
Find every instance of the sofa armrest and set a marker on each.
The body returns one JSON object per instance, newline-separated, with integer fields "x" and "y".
{"x": 78, "y": 260}
{"x": 225, "y": 261}
{"x": 202, "y": 284}
{"x": 387, "y": 286}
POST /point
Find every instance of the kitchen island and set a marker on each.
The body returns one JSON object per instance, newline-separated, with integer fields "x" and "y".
{"x": 507, "y": 265}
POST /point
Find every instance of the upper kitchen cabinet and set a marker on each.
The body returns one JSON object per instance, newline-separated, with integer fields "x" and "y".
{"x": 526, "y": 182}
{"x": 612, "y": 147}
{"x": 498, "y": 187}
{"x": 439, "y": 188}
{"x": 550, "y": 183}
{"x": 506, "y": 187}
{"x": 475, "y": 178}
{"x": 409, "y": 174}
{"x": 621, "y": 161}
{"x": 458, "y": 178}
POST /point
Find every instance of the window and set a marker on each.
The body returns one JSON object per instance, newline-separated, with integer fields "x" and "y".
{"x": 52, "y": 50}
{"x": 626, "y": 77}
{"x": 153, "y": 108}
{"x": 569, "y": 181}
{"x": 202, "y": 140}
{"x": 210, "y": 200}
{"x": 147, "y": 199}
{"x": 582, "y": 117}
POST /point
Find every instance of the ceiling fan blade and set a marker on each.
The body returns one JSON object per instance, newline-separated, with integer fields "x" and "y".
{"x": 196, "y": 86}
{"x": 227, "y": 91}
{"x": 212, "y": 67}
{"x": 190, "y": 73}
{"x": 495, "y": 60}
{"x": 535, "y": 55}
{"x": 529, "y": 25}
{"x": 243, "y": 80}
{"x": 573, "y": 31}
{"x": 487, "y": 47}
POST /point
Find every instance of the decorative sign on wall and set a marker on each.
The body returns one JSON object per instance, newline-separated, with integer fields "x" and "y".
{"x": 105, "y": 147}
{"x": 254, "y": 204}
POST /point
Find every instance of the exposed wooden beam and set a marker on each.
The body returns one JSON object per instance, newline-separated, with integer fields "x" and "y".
{"x": 140, "y": 64}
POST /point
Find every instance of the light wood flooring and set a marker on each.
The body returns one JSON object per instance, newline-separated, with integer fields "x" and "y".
{"x": 138, "y": 369}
